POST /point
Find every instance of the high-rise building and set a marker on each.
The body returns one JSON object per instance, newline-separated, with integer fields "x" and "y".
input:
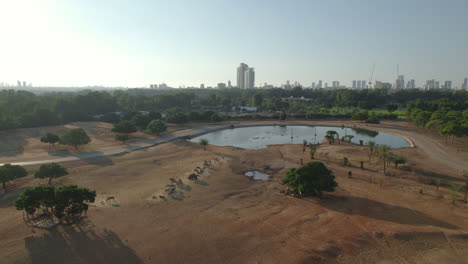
{"x": 249, "y": 76}
{"x": 202, "y": 86}
{"x": 319, "y": 84}
{"x": 354, "y": 84}
{"x": 18, "y": 83}
{"x": 229, "y": 84}
{"x": 465, "y": 83}
{"x": 363, "y": 84}
{"x": 335, "y": 84}
{"x": 400, "y": 82}
{"x": 241, "y": 75}
{"x": 313, "y": 85}
{"x": 448, "y": 85}
{"x": 221, "y": 85}
{"x": 412, "y": 84}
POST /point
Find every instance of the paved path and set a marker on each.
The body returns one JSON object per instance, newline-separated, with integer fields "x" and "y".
{"x": 426, "y": 144}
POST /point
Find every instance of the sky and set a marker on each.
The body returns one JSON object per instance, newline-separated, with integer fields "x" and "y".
{"x": 135, "y": 43}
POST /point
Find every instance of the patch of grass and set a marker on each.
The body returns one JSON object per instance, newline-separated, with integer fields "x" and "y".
{"x": 185, "y": 187}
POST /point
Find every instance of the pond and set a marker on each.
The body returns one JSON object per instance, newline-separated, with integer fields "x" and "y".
{"x": 258, "y": 137}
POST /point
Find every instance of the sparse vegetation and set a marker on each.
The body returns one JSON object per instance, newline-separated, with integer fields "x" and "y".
{"x": 203, "y": 142}
{"x": 50, "y": 171}
{"x": 75, "y": 137}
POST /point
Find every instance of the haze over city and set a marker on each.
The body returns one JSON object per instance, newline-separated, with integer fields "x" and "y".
{"x": 186, "y": 43}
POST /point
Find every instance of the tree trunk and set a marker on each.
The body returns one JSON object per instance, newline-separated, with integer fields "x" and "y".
{"x": 384, "y": 165}
{"x": 4, "y": 186}
{"x": 50, "y": 180}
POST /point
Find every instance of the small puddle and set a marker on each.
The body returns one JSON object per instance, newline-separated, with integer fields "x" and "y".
{"x": 256, "y": 175}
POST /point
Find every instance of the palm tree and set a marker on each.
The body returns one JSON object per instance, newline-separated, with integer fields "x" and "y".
{"x": 203, "y": 142}
{"x": 371, "y": 145}
{"x": 313, "y": 149}
{"x": 384, "y": 153}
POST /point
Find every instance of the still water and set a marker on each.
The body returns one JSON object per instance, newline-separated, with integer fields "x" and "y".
{"x": 261, "y": 136}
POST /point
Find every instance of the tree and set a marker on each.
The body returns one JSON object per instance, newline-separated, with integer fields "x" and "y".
{"x": 453, "y": 128}
{"x": 203, "y": 142}
{"x": 313, "y": 178}
{"x": 121, "y": 137}
{"x": 50, "y": 138}
{"x": 360, "y": 115}
{"x": 141, "y": 121}
{"x": 330, "y": 136}
{"x": 124, "y": 126}
{"x": 154, "y": 115}
{"x": 71, "y": 202}
{"x": 397, "y": 159}
{"x": 216, "y": 118}
{"x": 313, "y": 150}
{"x": 392, "y": 107}
{"x": 373, "y": 119}
{"x": 156, "y": 127}
{"x": 67, "y": 203}
{"x": 40, "y": 198}
{"x": 371, "y": 145}
{"x": 383, "y": 151}
{"x": 75, "y": 137}
{"x": 283, "y": 116}
{"x": 52, "y": 170}
{"x": 10, "y": 172}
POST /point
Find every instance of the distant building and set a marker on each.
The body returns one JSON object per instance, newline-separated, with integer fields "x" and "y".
{"x": 382, "y": 85}
{"x": 335, "y": 84}
{"x": 400, "y": 82}
{"x": 465, "y": 84}
{"x": 448, "y": 85}
{"x": 221, "y": 85}
{"x": 411, "y": 84}
{"x": 249, "y": 78}
{"x": 202, "y": 86}
{"x": 18, "y": 83}
{"x": 363, "y": 84}
{"x": 319, "y": 86}
{"x": 229, "y": 84}
{"x": 354, "y": 84}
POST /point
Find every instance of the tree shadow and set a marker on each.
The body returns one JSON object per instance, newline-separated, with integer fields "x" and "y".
{"x": 381, "y": 211}
{"x": 11, "y": 145}
{"x": 79, "y": 244}
{"x": 7, "y": 199}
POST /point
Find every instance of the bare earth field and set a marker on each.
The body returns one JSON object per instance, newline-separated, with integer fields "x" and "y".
{"x": 226, "y": 217}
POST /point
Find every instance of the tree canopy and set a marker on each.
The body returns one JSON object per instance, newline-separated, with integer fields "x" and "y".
{"x": 313, "y": 178}
{"x": 9, "y": 172}
{"x": 50, "y": 171}
{"x": 156, "y": 127}
{"x": 75, "y": 137}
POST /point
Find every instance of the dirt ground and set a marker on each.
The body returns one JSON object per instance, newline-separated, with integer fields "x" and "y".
{"x": 226, "y": 217}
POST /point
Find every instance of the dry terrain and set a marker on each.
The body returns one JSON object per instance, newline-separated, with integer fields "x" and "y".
{"x": 226, "y": 217}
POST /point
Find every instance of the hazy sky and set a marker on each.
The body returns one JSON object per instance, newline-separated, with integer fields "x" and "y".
{"x": 136, "y": 42}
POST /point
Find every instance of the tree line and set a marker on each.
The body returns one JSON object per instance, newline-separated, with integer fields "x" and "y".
{"x": 21, "y": 109}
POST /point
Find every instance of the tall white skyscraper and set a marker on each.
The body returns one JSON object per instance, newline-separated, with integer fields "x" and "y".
{"x": 249, "y": 77}
{"x": 241, "y": 75}
{"x": 245, "y": 77}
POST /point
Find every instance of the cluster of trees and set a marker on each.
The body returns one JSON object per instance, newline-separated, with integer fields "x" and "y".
{"x": 139, "y": 121}
{"x": 384, "y": 153}
{"x": 25, "y": 109}
{"x": 312, "y": 178}
{"x": 74, "y": 137}
{"x": 448, "y": 117}
{"x": 65, "y": 203}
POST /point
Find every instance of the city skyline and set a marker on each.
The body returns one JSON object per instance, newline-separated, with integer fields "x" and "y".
{"x": 182, "y": 43}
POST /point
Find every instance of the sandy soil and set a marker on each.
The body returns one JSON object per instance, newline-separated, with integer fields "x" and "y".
{"x": 25, "y": 144}
{"x": 229, "y": 218}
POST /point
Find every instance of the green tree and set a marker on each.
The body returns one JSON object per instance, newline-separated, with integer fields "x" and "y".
{"x": 50, "y": 171}
{"x": 50, "y": 138}
{"x": 392, "y": 107}
{"x": 313, "y": 150}
{"x": 71, "y": 202}
{"x": 453, "y": 128}
{"x": 257, "y": 99}
{"x": 141, "y": 121}
{"x": 283, "y": 116}
{"x": 313, "y": 178}
{"x": 203, "y": 142}
{"x": 397, "y": 159}
{"x": 360, "y": 115}
{"x": 10, "y": 172}
{"x": 383, "y": 151}
{"x": 156, "y": 127}
{"x": 216, "y": 118}
{"x": 75, "y": 137}
{"x": 121, "y": 137}
{"x": 372, "y": 146}
{"x": 124, "y": 126}
{"x": 40, "y": 198}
